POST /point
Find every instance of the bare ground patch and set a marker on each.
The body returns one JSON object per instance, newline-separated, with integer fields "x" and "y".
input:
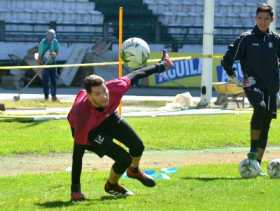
{"x": 58, "y": 162}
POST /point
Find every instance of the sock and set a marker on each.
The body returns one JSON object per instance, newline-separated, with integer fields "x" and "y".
{"x": 111, "y": 184}
{"x": 260, "y": 152}
{"x": 134, "y": 169}
{"x": 253, "y": 146}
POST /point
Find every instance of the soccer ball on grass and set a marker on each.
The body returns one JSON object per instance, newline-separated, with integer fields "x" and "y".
{"x": 273, "y": 168}
{"x": 249, "y": 168}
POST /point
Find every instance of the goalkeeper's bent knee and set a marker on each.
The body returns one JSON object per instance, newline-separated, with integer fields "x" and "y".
{"x": 137, "y": 150}
{"x": 122, "y": 164}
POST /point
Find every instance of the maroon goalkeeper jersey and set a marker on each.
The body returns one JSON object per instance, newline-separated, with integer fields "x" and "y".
{"x": 84, "y": 117}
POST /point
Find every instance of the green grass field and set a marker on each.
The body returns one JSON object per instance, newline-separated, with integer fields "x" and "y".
{"x": 194, "y": 187}
{"x": 213, "y": 187}
{"x": 35, "y": 104}
{"x": 160, "y": 133}
{"x": 62, "y": 104}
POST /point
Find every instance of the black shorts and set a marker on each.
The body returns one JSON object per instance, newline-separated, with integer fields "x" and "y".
{"x": 256, "y": 96}
{"x": 100, "y": 140}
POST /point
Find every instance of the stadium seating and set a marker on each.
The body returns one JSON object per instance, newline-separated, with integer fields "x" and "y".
{"x": 44, "y": 11}
{"x": 139, "y": 21}
{"x": 182, "y": 19}
{"x": 231, "y": 17}
{"x": 190, "y": 12}
{"x": 19, "y": 13}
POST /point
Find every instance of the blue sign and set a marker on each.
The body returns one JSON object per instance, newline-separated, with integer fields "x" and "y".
{"x": 222, "y": 75}
{"x": 193, "y": 67}
{"x": 182, "y": 69}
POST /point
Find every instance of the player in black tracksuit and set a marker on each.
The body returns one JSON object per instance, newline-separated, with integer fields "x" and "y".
{"x": 258, "y": 51}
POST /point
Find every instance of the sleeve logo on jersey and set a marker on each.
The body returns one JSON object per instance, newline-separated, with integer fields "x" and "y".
{"x": 270, "y": 45}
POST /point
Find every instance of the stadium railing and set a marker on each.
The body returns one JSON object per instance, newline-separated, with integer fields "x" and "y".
{"x": 87, "y": 33}
{"x": 66, "y": 32}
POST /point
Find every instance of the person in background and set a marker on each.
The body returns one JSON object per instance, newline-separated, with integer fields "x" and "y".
{"x": 258, "y": 51}
{"x": 48, "y": 52}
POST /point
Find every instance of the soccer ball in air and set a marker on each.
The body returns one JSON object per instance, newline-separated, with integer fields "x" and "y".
{"x": 273, "y": 168}
{"x": 135, "y": 52}
{"x": 249, "y": 168}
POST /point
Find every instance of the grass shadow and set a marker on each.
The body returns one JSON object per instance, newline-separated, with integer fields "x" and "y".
{"x": 54, "y": 204}
{"x": 31, "y": 124}
{"x": 106, "y": 198}
{"x": 207, "y": 179}
{"x": 58, "y": 203}
{"x": 29, "y": 120}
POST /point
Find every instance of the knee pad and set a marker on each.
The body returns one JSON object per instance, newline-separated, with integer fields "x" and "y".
{"x": 137, "y": 149}
{"x": 122, "y": 164}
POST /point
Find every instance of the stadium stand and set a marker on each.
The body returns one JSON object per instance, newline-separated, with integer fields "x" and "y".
{"x": 27, "y": 20}
{"x": 81, "y": 23}
{"x": 169, "y": 21}
{"x": 184, "y": 18}
{"x": 139, "y": 21}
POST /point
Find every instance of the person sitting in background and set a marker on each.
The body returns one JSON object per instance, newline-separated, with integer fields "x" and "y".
{"x": 48, "y": 51}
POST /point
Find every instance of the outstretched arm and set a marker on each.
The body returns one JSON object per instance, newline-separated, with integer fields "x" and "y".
{"x": 144, "y": 72}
